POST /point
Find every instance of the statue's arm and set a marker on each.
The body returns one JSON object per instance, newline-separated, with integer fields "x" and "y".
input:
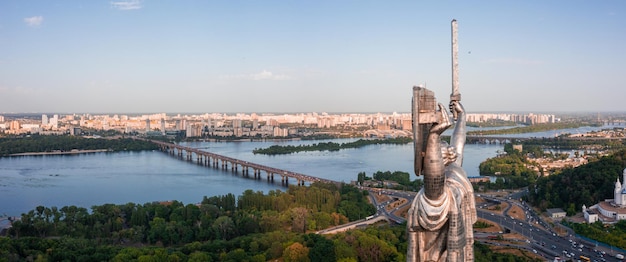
{"x": 434, "y": 177}
{"x": 457, "y": 140}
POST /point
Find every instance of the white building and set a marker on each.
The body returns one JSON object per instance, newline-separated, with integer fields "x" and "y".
{"x": 619, "y": 194}
{"x": 610, "y": 210}
{"x": 590, "y": 215}
{"x": 54, "y": 121}
{"x": 44, "y": 120}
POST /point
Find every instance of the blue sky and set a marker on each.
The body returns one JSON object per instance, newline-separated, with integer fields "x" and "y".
{"x": 308, "y": 56}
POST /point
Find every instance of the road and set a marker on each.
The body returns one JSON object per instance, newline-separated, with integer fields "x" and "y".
{"x": 539, "y": 234}
{"x": 540, "y": 237}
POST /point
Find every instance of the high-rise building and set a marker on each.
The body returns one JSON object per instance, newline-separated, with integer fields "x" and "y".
{"x": 15, "y": 125}
{"x": 1, "y": 118}
{"x": 147, "y": 125}
{"x": 255, "y": 124}
{"x": 54, "y": 121}
{"x": 44, "y": 120}
{"x": 236, "y": 123}
{"x": 162, "y": 126}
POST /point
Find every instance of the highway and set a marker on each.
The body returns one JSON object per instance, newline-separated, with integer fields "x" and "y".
{"x": 540, "y": 237}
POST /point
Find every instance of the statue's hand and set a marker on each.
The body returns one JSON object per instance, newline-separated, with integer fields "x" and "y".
{"x": 444, "y": 121}
{"x": 456, "y": 108}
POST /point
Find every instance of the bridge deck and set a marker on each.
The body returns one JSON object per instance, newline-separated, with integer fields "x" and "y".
{"x": 245, "y": 164}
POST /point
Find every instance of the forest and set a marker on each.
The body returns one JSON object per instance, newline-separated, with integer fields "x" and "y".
{"x": 328, "y": 146}
{"x": 613, "y": 234}
{"x": 584, "y": 185}
{"x": 52, "y": 143}
{"x": 402, "y": 178}
{"x": 251, "y": 227}
{"x": 512, "y": 169}
{"x": 575, "y": 144}
{"x": 531, "y": 128}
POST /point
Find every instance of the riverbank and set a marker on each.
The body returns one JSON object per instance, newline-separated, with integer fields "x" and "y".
{"x": 71, "y": 152}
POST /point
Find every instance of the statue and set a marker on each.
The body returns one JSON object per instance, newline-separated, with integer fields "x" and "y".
{"x": 441, "y": 217}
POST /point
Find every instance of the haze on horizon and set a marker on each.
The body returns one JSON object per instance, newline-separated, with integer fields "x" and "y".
{"x": 320, "y": 56}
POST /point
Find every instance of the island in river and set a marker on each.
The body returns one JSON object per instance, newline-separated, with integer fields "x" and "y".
{"x": 329, "y": 146}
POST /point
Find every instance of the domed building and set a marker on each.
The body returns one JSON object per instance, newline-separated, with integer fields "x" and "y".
{"x": 610, "y": 210}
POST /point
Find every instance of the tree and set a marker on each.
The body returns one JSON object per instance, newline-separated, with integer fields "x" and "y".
{"x": 199, "y": 256}
{"x": 320, "y": 248}
{"x": 224, "y": 227}
{"x": 361, "y": 177}
{"x": 298, "y": 217}
{"x": 296, "y": 252}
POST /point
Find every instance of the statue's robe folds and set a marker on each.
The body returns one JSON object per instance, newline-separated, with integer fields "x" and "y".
{"x": 441, "y": 229}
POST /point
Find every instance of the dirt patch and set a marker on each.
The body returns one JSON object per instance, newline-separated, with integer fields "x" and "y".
{"x": 396, "y": 203}
{"x": 515, "y": 251}
{"x": 479, "y": 200}
{"x": 402, "y": 212}
{"x": 513, "y": 236}
{"x": 499, "y": 208}
{"x": 517, "y": 212}
{"x": 492, "y": 229}
{"x": 381, "y": 198}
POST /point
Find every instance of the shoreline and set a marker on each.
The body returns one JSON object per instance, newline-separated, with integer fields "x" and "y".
{"x": 72, "y": 152}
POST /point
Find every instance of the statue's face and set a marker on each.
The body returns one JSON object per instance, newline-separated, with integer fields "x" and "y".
{"x": 449, "y": 154}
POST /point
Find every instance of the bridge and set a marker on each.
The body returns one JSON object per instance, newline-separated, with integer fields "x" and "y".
{"x": 492, "y": 139}
{"x": 214, "y": 160}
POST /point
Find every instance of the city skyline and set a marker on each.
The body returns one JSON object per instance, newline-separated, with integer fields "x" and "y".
{"x": 149, "y": 56}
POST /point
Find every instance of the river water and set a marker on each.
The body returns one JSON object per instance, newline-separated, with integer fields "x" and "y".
{"x": 97, "y": 178}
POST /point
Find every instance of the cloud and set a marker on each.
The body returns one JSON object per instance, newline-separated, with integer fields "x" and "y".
{"x": 267, "y": 75}
{"x": 127, "y": 5}
{"x": 34, "y": 21}
{"x": 264, "y": 75}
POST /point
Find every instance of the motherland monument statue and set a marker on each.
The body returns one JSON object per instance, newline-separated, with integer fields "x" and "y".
{"x": 440, "y": 220}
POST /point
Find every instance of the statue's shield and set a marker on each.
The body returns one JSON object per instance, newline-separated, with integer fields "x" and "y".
{"x": 424, "y": 116}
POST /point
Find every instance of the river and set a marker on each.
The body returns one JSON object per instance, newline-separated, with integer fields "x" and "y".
{"x": 120, "y": 177}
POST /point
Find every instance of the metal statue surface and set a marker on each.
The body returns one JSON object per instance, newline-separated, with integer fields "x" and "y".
{"x": 441, "y": 217}
{"x": 442, "y": 214}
